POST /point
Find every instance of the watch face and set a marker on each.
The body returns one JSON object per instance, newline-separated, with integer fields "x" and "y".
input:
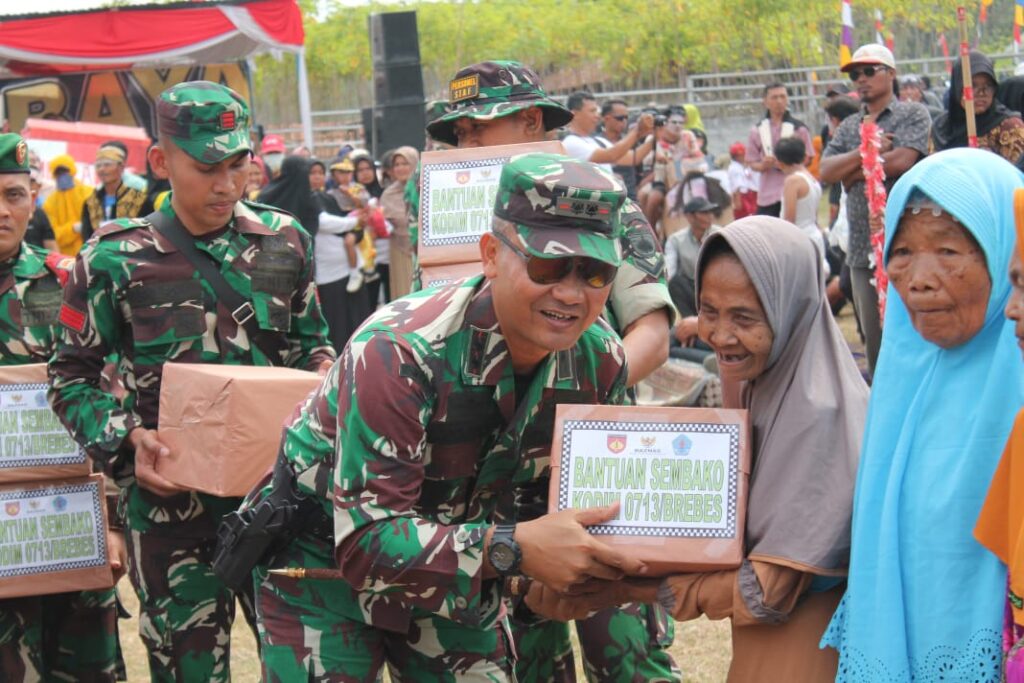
{"x": 502, "y": 557}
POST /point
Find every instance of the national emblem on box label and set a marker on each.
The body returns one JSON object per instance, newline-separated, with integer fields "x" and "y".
{"x": 30, "y": 433}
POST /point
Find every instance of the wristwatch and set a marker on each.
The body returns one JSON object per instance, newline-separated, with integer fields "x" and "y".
{"x": 504, "y": 552}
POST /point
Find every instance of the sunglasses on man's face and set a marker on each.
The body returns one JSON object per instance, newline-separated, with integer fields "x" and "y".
{"x": 868, "y": 71}
{"x": 622, "y": 117}
{"x": 548, "y": 271}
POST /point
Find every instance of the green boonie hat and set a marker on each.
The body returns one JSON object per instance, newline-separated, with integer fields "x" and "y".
{"x": 491, "y": 90}
{"x": 13, "y": 154}
{"x": 209, "y": 121}
{"x": 562, "y": 206}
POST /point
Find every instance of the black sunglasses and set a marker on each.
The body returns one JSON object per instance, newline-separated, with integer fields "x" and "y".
{"x": 868, "y": 71}
{"x": 622, "y": 117}
{"x": 548, "y": 271}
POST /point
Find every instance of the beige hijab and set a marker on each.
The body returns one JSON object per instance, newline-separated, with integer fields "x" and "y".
{"x": 392, "y": 201}
{"x": 807, "y": 409}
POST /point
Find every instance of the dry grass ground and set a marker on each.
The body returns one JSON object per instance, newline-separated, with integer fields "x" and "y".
{"x": 701, "y": 648}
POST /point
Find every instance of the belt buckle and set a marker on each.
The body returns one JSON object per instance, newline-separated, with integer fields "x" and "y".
{"x": 243, "y": 313}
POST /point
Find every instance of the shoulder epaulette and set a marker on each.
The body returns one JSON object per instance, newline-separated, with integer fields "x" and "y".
{"x": 60, "y": 265}
{"x": 256, "y": 206}
{"x": 120, "y": 225}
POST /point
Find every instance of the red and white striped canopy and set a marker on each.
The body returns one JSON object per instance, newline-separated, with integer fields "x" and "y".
{"x": 148, "y": 36}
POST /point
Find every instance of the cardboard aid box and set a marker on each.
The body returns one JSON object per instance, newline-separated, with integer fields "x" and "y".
{"x": 33, "y": 443}
{"x": 222, "y": 423}
{"x": 53, "y": 537}
{"x": 680, "y": 475}
{"x": 457, "y": 192}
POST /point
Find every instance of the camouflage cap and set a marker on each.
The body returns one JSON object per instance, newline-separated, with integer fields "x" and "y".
{"x": 13, "y": 154}
{"x": 491, "y": 90}
{"x": 562, "y": 206}
{"x": 209, "y": 121}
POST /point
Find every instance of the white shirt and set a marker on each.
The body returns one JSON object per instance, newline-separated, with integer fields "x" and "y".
{"x": 582, "y": 148}
{"x": 329, "y": 253}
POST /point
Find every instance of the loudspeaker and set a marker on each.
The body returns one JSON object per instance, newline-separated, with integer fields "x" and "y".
{"x": 398, "y": 109}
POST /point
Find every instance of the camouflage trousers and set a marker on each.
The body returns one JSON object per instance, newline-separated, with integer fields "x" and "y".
{"x": 186, "y": 612}
{"x": 59, "y": 637}
{"x": 303, "y": 637}
{"x": 628, "y": 644}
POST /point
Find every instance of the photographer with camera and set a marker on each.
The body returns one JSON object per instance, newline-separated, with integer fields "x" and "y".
{"x": 581, "y": 144}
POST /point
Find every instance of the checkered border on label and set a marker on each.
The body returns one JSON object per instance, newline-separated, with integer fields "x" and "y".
{"x": 93, "y": 488}
{"x": 426, "y": 239}
{"x": 565, "y": 468}
{"x": 78, "y": 458}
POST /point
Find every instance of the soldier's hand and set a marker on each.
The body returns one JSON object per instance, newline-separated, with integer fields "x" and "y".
{"x": 559, "y": 551}
{"x": 324, "y": 367}
{"x": 118, "y": 554}
{"x": 147, "y": 449}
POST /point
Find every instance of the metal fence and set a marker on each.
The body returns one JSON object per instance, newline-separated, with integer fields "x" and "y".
{"x": 729, "y": 103}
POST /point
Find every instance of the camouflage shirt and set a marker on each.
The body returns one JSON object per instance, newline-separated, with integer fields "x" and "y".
{"x": 414, "y": 465}
{"x": 133, "y": 294}
{"x": 30, "y": 299}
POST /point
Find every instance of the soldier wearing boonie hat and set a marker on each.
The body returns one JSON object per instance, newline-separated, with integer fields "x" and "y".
{"x": 137, "y": 292}
{"x": 492, "y": 90}
{"x": 639, "y": 308}
{"x": 484, "y": 362}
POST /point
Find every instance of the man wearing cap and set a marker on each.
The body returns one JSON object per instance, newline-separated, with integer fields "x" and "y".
{"x": 503, "y": 102}
{"x": 272, "y": 150}
{"x": 135, "y": 292}
{"x": 62, "y": 636}
{"x": 113, "y": 198}
{"x": 438, "y": 415}
{"x": 906, "y": 127}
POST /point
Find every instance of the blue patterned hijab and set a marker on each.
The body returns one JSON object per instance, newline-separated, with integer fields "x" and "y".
{"x": 925, "y": 600}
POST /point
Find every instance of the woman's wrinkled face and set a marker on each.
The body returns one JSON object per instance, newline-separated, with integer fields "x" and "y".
{"x": 732, "y": 321}
{"x": 940, "y": 273}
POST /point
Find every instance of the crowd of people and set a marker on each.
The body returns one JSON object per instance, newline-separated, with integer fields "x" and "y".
{"x": 405, "y": 524}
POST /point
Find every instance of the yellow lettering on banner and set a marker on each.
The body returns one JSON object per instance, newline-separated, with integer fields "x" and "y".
{"x": 104, "y": 101}
{"x": 42, "y": 99}
{"x": 155, "y": 81}
{"x": 230, "y": 75}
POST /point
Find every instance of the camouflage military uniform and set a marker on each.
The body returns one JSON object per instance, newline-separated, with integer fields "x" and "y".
{"x": 413, "y": 467}
{"x": 63, "y": 636}
{"x": 134, "y": 294}
{"x": 623, "y": 645}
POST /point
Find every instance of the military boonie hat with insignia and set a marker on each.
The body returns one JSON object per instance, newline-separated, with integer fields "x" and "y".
{"x": 491, "y": 90}
{"x": 209, "y": 121}
{"x": 13, "y": 154}
{"x": 562, "y": 206}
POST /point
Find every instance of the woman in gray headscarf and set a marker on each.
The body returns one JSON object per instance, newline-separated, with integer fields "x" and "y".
{"x": 763, "y": 309}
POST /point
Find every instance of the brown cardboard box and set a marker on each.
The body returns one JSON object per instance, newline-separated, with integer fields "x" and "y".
{"x": 447, "y": 273}
{"x": 222, "y": 423}
{"x": 457, "y": 191}
{"x": 33, "y": 443}
{"x": 680, "y": 475}
{"x": 53, "y": 537}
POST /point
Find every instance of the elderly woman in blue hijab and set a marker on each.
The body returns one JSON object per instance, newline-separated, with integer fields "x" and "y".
{"x": 924, "y": 599}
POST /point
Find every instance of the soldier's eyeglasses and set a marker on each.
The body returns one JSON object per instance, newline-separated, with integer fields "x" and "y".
{"x": 868, "y": 71}
{"x": 548, "y": 271}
